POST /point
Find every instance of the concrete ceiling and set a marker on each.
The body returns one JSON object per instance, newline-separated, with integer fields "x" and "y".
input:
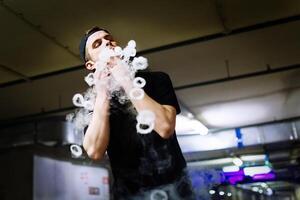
{"x": 40, "y": 37}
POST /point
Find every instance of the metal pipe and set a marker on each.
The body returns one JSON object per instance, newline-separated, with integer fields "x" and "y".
{"x": 12, "y": 71}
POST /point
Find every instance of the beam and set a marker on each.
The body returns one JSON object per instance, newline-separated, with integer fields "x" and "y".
{"x": 243, "y": 76}
{"x": 32, "y": 117}
{"x": 12, "y": 71}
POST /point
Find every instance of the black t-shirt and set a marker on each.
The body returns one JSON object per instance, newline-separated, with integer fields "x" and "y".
{"x": 140, "y": 161}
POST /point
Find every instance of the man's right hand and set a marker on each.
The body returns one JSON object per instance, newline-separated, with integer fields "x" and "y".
{"x": 101, "y": 81}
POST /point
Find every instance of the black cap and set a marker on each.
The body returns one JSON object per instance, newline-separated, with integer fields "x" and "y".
{"x": 84, "y": 40}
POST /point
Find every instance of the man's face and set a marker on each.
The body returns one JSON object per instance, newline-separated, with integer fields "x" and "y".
{"x": 97, "y": 42}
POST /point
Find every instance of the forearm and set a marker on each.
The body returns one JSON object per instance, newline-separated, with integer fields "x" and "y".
{"x": 97, "y": 135}
{"x": 164, "y": 116}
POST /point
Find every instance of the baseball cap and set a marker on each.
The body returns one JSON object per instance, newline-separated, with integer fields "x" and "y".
{"x": 85, "y": 38}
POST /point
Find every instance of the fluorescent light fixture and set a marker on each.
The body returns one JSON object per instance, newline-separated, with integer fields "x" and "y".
{"x": 251, "y": 171}
{"x": 212, "y": 162}
{"x": 232, "y": 168}
{"x": 233, "y": 114}
{"x": 249, "y": 158}
{"x": 237, "y": 161}
{"x": 185, "y": 125}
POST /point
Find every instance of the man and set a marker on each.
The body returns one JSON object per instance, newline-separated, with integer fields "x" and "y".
{"x": 139, "y": 163}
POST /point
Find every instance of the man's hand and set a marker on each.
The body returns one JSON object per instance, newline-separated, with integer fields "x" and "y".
{"x": 101, "y": 81}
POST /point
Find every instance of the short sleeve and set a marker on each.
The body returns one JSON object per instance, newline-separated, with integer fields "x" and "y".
{"x": 164, "y": 91}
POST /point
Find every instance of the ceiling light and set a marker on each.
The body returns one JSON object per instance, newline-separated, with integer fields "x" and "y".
{"x": 232, "y": 168}
{"x": 249, "y": 158}
{"x": 251, "y": 171}
{"x": 187, "y": 126}
{"x": 237, "y": 161}
{"x": 229, "y": 114}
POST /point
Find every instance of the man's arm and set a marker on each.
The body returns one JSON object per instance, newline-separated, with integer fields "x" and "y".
{"x": 96, "y": 138}
{"x": 165, "y": 114}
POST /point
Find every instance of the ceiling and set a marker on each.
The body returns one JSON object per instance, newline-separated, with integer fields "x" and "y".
{"x": 195, "y": 41}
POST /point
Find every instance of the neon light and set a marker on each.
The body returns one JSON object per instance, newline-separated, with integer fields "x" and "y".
{"x": 234, "y": 179}
{"x": 251, "y": 171}
{"x": 237, "y": 161}
{"x": 232, "y": 168}
{"x": 269, "y": 176}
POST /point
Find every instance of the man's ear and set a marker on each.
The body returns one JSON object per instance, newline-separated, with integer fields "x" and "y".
{"x": 90, "y": 65}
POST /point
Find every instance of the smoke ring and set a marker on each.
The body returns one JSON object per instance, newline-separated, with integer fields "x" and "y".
{"x": 142, "y": 130}
{"x": 76, "y": 150}
{"x": 139, "y": 82}
{"x": 78, "y": 100}
{"x": 136, "y": 93}
{"x": 158, "y": 194}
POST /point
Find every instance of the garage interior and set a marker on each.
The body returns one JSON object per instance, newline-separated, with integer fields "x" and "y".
{"x": 234, "y": 65}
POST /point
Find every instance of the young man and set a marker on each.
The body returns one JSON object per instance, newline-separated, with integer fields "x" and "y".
{"x": 139, "y": 163}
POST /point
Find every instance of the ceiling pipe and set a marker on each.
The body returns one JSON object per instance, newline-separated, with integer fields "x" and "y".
{"x": 267, "y": 71}
{"x": 220, "y": 12}
{"x": 14, "y": 72}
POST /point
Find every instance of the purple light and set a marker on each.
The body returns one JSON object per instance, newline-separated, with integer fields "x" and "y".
{"x": 268, "y": 176}
{"x": 234, "y": 179}
{"x": 237, "y": 173}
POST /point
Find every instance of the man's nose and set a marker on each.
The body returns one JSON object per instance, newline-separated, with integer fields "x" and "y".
{"x": 110, "y": 45}
{"x": 107, "y": 42}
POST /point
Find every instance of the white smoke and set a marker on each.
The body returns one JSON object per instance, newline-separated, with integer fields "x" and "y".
{"x": 139, "y": 82}
{"x": 90, "y": 79}
{"x": 139, "y": 63}
{"x": 145, "y": 121}
{"x": 76, "y": 150}
{"x": 136, "y": 94}
{"x": 158, "y": 195}
{"x": 78, "y": 100}
{"x": 86, "y": 101}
